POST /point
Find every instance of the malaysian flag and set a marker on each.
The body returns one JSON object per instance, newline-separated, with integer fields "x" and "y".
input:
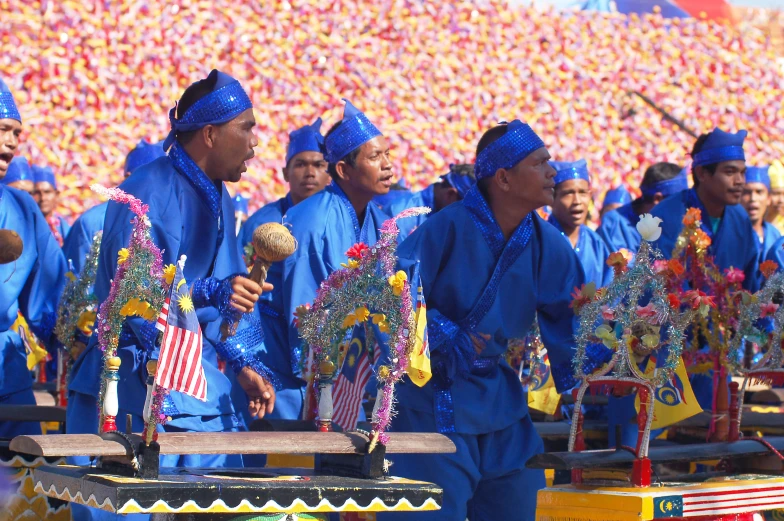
{"x": 350, "y": 385}
{"x": 179, "y": 362}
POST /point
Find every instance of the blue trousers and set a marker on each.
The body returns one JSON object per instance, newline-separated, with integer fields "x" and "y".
{"x": 485, "y": 479}
{"x": 10, "y": 430}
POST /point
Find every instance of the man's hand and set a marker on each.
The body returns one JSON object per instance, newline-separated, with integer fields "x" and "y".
{"x": 261, "y": 394}
{"x": 245, "y": 293}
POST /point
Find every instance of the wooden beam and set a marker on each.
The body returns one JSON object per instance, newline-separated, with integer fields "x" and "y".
{"x": 63, "y": 445}
{"x": 32, "y": 413}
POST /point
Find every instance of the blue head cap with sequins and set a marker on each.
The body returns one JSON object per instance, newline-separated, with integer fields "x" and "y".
{"x": 226, "y": 101}
{"x": 721, "y": 146}
{"x": 8, "y": 108}
{"x": 758, "y": 174}
{"x": 18, "y": 170}
{"x": 44, "y": 174}
{"x": 305, "y": 139}
{"x": 566, "y": 170}
{"x": 355, "y": 130}
{"x": 516, "y": 144}
{"x": 618, "y": 195}
{"x": 667, "y": 187}
{"x": 145, "y": 152}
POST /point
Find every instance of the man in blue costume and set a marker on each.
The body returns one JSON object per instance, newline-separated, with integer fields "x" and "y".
{"x": 31, "y": 285}
{"x": 326, "y": 226}
{"x": 80, "y": 238}
{"x": 305, "y": 172}
{"x": 755, "y": 200}
{"x": 619, "y": 227}
{"x": 46, "y": 194}
{"x": 569, "y": 214}
{"x": 191, "y": 214}
{"x": 614, "y": 199}
{"x": 488, "y": 266}
{"x": 19, "y": 175}
{"x": 450, "y": 188}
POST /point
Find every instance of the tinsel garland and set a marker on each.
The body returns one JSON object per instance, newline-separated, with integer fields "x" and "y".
{"x": 78, "y": 299}
{"x": 527, "y": 351}
{"x": 367, "y": 288}
{"x": 139, "y": 277}
{"x": 627, "y": 328}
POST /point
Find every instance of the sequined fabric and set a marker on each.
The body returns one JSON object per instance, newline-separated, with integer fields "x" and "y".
{"x": 508, "y": 150}
{"x": 235, "y": 351}
{"x": 203, "y": 184}
{"x": 335, "y": 189}
{"x": 717, "y": 155}
{"x": 483, "y": 218}
{"x": 351, "y": 134}
{"x": 8, "y": 108}
{"x": 217, "y": 293}
{"x": 566, "y": 171}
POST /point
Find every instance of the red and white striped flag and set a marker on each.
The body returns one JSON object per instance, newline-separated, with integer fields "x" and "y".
{"x": 350, "y": 385}
{"x": 179, "y": 362}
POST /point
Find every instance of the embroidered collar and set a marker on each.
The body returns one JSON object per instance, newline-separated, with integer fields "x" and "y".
{"x": 482, "y": 216}
{"x": 204, "y": 186}
{"x": 334, "y": 188}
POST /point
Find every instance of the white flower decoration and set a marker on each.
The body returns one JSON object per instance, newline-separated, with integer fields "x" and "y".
{"x": 649, "y": 227}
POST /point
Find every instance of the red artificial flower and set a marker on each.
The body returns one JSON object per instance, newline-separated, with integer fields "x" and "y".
{"x": 692, "y": 217}
{"x": 618, "y": 262}
{"x": 768, "y": 309}
{"x": 675, "y": 302}
{"x": 697, "y": 298}
{"x": 676, "y": 267}
{"x": 768, "y": 268}
{"x": 357, "y": 251}
{"x": 735, "y": 276}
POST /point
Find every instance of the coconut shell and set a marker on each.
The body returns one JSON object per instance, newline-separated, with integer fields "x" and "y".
{"x": 273, "y": 242}
{"x": 10, "y": 246}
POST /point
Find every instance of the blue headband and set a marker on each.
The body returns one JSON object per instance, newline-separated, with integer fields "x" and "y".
{"x": 145, "y": 152}
{"x": 565, "y": 171}
{"x": 758, "y": 174}
{"x": 18, "y": 170}
{"x": 619, "y": 195}
{"x": 8, "y": 108}
{"x": 461, "y": 183}
{"x": 354, "y": 131}
{"x": 721, "y": 146}
{"x": 305, "y": 139}
{"x": 667, "y": 187}
{"x": 241, "y": 204}
{"x": 227, "y": 101}
{"x": 508, "y": 150}
{"x": 44, "y": 174}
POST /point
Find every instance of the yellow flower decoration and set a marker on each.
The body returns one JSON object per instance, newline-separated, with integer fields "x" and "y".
{"x": 351, "y": 264}
{"x": 607, "y": 336}
{"x": 70, "y": 276}
{"x": 122, "y": 255}
{"x": 359, "y": 315}
{"x": 86, "y": 322}
{"x": 138, "y": 308}
{"x": 380, "y": 320}
{"x": 397, "y": 281}
{"x": 168, "y": 273}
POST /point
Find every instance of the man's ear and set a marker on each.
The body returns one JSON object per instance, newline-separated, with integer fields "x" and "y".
{"x": 342, "y": 169}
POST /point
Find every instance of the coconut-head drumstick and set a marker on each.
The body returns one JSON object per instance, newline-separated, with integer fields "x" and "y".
{"x": 10, "y": 246}
{"x": 272, "y": 242}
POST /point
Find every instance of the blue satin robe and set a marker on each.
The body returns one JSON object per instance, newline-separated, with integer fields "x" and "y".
{"x": 776, "y": 253}
{"x": 269, "y": 213}
{"x": 326, "y": 227}
{"x": 422, "y": 198}
{"x": 64, "y": 228}
{"x": 80, "y": 238}
{"x": 459, "y": 252}
{"x": 619, "y": 229}
{"x": 190, "y": 216}
{"x": 592, "y": 252}
{"x": 31, "y": 285}
{"x": 770, "y": 236}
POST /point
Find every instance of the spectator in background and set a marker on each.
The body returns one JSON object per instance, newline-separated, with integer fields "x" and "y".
{"x": 45, "y": 194}
{"x": 756, "y": 199}
{"x": 775, "y": 214}
{"x": 614, "y": 199}
{"x": 19, "y": 175}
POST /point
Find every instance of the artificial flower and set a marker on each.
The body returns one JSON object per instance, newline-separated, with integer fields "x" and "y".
{"x": 168, "y": 273}
{"x": 351, "y": 264}
{"x": 768, "y": 309}
{"x": 380, "y": 320}
{"x": 735, "y": 276}
{"x": 122, "y": 255}
{"x": 357, "y": 251}
{"x": 675, "y": 266}
{"x": 618, "y": 262}
{"x": 397, "y": 281}
{"x": 693, "y": 217}
{"x": 768, "y": 268}
{"x": 701, "y": 240}
{"x": 649, "y": 228}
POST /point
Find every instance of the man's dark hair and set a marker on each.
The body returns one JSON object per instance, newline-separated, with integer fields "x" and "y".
{"x": 350, "y": 158}
{"x": 485, "y": 141}
{"x": 191, "y": 95}
{"x": 464, "y": 169}
{"x": 657, "y": 173}
{"x": 694, "y": 151}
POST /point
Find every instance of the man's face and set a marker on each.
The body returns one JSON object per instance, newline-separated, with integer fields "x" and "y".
{"x": 233, "y": 146}
{"x": 755, "y": 200}
{"x": 725, "y": 186}
{"x": 25, "y": 185}
{"x": 444, "y": 194}
{"x": 531, "y": 179}
{"x": 46, "y": 196}
{"x": 372, "y": 174}
{"x": 570, "y": 204}
{"x": 10, "y": 130}
{"x": 306, "y": 174}
{"x": 777, "y": 200}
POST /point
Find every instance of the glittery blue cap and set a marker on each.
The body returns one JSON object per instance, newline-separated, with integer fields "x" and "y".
{"x": 18, "y": 170}
{"x": 145, "y": 152}
{"x": 758, "y": 174}
{"x": 226, "y": 101}
{"x": 305, "y": 139}
{"x": 565, "y": 171}
{"x": 8, "y": 108}
{"x": 461, "y": 183}
{"x": 240, "y": 204}
{"x": 667, "y": 187}
{"x": 721, "y": 146}
{"x": 44, "y": 174}
{"x": 508, "y": 150}
{"x": 354, "y": 131}
{"x": 618, "y": 195}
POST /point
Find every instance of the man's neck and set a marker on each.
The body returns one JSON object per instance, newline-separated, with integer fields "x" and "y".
{"x": 507, "y": 214}
{"x": 759, "y": 227}
{"x": 571, "y": 232}
{"x": 359, "y": 200}
{"x": 714, "y": 209}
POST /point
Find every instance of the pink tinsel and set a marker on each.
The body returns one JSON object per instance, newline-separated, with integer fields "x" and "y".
{"x": 118, "y": 195}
